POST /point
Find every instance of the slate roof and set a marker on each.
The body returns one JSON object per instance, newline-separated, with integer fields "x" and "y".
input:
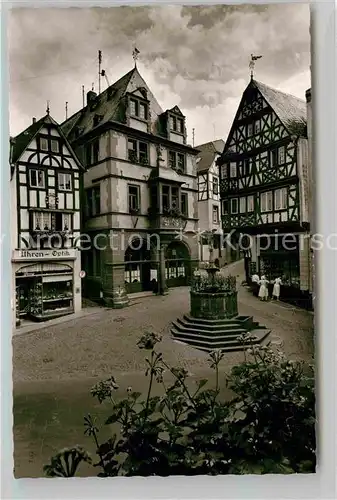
{"x": 208, "y": 153}
{"x": 290, "y": 109}
{"x": 109, "y": 105}
{"x": 21, "y": 141}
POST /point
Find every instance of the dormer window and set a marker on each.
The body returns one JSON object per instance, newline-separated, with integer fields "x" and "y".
{"x": 176, "y": 124}
{"x": 138, "y": 109}
{"x": 142, "y": 111}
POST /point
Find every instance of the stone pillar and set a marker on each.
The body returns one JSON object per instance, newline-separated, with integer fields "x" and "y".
{"x": 114, "y": 292}
{"x": 77, "y": 283}
{"x": 162, "y": 286}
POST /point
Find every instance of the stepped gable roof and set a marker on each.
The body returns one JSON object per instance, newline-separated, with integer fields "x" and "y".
{"x": 207, "y": 154}
{"x": 108, "y": 104}
{"x": 21, "y": 141}
{"x": 290, "y": 109}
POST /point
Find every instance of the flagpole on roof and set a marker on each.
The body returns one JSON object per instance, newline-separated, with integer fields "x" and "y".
{"x": 99, "y": 70}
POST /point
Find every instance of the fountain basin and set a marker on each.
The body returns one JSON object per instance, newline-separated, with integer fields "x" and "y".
{"x": 214, "y": 305}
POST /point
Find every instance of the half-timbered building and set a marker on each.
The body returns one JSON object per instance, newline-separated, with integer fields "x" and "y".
{"x": 140, "y": 191}
{"x": 45, "y": 223}
{"x": 264, "y": 185}
{"x": 209, "y": 209}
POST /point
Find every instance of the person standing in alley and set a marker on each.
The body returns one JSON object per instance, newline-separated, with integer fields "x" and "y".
{"x": 277, "y": 289}
{"x": 255, "y": 284}
{"x": 263, "y": 292}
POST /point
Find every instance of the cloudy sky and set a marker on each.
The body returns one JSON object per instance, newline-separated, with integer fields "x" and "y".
{"x": 193, "y": 57}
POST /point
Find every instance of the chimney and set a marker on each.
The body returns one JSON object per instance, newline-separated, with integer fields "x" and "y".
{"x": 34, "y": 119}
{"x": 91, "y": 96}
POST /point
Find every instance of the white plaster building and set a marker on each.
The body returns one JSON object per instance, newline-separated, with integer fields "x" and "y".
{"x": 139, "y": 189}
{"x": 209, "y": 208}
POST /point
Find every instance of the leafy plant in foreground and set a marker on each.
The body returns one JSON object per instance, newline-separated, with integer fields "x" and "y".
{"x": 267, "y": 427}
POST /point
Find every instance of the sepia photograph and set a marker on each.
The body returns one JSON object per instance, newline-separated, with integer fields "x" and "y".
{"x": 162, "y": 244}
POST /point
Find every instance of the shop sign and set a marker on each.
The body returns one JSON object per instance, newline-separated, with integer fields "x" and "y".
{"x": 38, "y": 255}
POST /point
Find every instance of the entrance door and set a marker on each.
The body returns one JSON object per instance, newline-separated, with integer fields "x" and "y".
{"x": 23, "y": 296}
{"x": 137, "y": 267}
{"x": 177, "y": 263}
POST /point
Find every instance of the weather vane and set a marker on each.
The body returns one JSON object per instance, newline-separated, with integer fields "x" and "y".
{"x": 48, "y": 107}
{"x": 135, "y": 54}
{"x": 252, "y": 64}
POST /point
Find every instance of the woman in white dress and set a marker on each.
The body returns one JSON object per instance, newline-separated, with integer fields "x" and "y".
{"x": 263, "y": 292}
{"x": 277, "y": 288}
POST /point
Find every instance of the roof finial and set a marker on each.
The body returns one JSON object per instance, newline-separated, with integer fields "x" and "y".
{"x": 48, "y": 102}
{"x": 135, "y": 54}
{"x": 252, "y": 64}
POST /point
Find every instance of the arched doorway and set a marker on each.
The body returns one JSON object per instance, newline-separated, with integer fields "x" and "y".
{"x": 137, "y": 273}
{"x": 177, "y": 264}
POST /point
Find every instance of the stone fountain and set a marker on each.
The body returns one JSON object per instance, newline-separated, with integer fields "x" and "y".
{"x": 214, "y": 322}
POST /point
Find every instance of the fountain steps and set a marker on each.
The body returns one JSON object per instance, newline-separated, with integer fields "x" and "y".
{"x": 242, "y": 322}
{"x": 227, "y": 343}
{"x": 214, "y": 322}
{"x": 208, "y": 334}
{"x": 184, "y": 327}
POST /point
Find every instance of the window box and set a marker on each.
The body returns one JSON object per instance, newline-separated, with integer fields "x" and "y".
{"x": 172, "y": 212}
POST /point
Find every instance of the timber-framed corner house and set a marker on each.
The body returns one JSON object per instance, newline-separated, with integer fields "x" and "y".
{"x": 140, "y": 186}
{"x": 45, "y": 223}
{"x": 264, "y": 188}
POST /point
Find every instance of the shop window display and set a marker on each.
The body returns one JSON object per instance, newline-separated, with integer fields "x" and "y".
{"x": 49, "y": 298}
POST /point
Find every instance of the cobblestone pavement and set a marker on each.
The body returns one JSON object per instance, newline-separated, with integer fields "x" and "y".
{"x": 104, "y": 342}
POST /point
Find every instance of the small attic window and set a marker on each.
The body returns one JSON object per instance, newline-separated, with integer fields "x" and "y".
{"x": 43, "y": 144}
{"x": 138, "y": 109}
{"x": 176, "y": 124}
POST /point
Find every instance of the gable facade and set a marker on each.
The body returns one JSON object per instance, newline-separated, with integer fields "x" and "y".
{"x": 263, "y": 179}
{"x": 46, "y": 178}
{"x": 140, "y": 181}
